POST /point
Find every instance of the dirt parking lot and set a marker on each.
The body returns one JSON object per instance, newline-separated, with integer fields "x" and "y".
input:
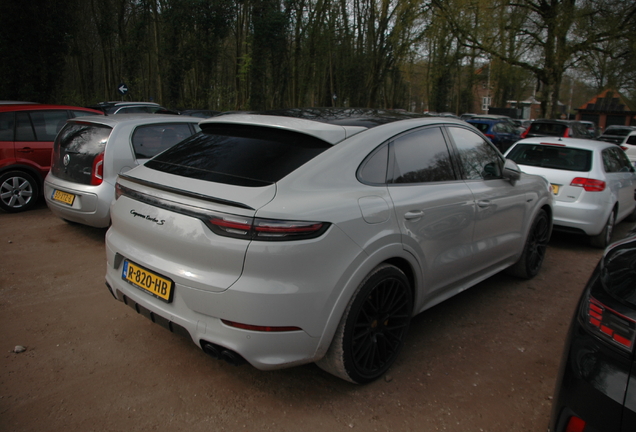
{"x": 485, "y": 360}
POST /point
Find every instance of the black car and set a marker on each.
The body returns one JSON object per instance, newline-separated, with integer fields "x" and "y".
{"x": 558, "y": 128}
{"x": 596, "y": 390}
{"x": 616, "y": 134}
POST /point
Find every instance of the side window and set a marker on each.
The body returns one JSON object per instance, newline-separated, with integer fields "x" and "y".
{"x": 373, "y": 169}
{"x": 48, "y": 123}
{"x": 631, "y": 140}
{"x": 623, "y": 160}
{"x": 148, "y": 141}
{"x": 478, "y": 159}
{"x": 7, "y": 121}
{"x": 611, "y": 162}
{"x": 499, "y": 127}
{"x": 420, "y": 157}
{"x": 23, "y": 128}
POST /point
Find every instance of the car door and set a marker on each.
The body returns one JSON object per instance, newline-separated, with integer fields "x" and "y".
{"x": 435, "y": 209}
{"x": 500, "y": 205}
{"x": 620, "y": 177}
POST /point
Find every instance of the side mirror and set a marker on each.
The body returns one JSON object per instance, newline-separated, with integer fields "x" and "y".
{"x": 511, "y": 171}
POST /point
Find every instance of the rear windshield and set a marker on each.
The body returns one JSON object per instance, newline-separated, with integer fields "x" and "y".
{"x": 242, "y": 156}
{"x": 75, "y": 150}
{"x": 550, "y": 129}
{"x": 546, "y": 156}
{"x": 619, "y": 273}
{"x": 483, "y": 127}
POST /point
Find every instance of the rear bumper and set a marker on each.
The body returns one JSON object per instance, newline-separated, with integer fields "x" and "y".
{"x": 576, "y": 216}
{"x": 91, "y": 205}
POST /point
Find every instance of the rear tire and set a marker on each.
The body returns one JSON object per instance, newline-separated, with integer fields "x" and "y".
{"x": 373, "y": 327}
{"x": 18, "y": 191}
{"x": 604, "y": 238}
{"x": 534, "y": 250}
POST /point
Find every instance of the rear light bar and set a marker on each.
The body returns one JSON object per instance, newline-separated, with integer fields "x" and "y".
{"x": 269, "y": 329}
{"x": 264, "y": 229}
{"x": 611, "y": 325}
{"x": 590, "y": 185}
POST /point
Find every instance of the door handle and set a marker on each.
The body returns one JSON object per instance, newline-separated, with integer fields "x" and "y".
{"x": 413, "y": 214}
{"x": 483, "y": 203}
{"x": 25, "y": 150}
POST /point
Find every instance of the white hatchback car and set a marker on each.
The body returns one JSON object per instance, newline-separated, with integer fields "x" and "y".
{"x": 593, "y": 182}
{"x": 89, "y": 153}
{"x": 283, "y": 241}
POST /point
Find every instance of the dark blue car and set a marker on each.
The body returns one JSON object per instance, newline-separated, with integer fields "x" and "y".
{"x": 501, "y": 130}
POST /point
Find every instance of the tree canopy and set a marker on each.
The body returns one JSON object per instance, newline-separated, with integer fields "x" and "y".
{"x": 263, "y": 54}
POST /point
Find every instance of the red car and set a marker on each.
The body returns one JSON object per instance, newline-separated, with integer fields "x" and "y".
{"x": 27, "y": 132}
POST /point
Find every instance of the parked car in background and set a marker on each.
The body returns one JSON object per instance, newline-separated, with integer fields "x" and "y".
{"x": 556, "y": 128}
{"x": 595, "y": 389}
{"x": 616, "y": 134}
{"x": 89, "y": 154}
{"x": 284, "y": 241}
{"x": 593, "y": 183}
{"x": 110, "y": 108}
{"x": 466, "y": 116}
{"x": 591, "y": 128}
{"x": 27, "y": 132}
{"x": 628, "y": 144}
{"x": 501, "y": 131}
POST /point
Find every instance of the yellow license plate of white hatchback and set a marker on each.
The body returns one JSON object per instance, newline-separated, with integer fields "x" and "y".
{"x": 63, "y": 197}
{"x": 148, "y": 281}
{"x": 555, "y": 189}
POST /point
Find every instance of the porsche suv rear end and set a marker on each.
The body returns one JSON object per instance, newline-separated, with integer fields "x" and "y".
{"x": 189, "y": 249}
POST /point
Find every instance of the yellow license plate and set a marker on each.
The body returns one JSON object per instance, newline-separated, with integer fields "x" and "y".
{"x": 148, "y": 281}
{"x": 555, "y": 189}
{"x": 63, "y": 197}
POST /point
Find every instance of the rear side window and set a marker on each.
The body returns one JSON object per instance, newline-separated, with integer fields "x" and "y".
{"x": 631, "y": 140}
{"x": 421, "y": 157}
{"x": 7, "y": 121}
{"x": 563, "y": 158}
{"x": 615, "y": 160}
{"x": 39, "y": 125}
{"x": 150, "y": 140}
{"x": 244, "y": 156}
{"x": 75, "y": 150}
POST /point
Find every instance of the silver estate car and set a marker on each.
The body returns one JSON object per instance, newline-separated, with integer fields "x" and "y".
{"x": 593, "y": 183}
{"x": 89, "y": 153}
{"x": 315, "y": 236}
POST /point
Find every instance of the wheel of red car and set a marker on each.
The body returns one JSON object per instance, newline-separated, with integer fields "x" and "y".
{"x": 18, "y": 191}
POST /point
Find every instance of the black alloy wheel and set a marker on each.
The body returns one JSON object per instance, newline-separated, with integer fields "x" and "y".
{"x": 534, "y": 250}
{"x": 377, "y": 324}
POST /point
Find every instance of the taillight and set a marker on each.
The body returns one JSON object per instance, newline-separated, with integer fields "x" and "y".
{"x": 264, "y": 229}
{"x": 491, "y": 136}
{"x": 575, "y": 424}
{"x": 525, "y": 132}
{"x": 97, "y": 173}
{"x": 625, "y": 148}
{"x": 567, "y": 133}
{"x": 611, "y": 325}
{"x": 590, "y": 185}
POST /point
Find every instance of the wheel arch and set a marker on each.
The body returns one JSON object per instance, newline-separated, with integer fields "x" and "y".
{"x": 391, "y": 254}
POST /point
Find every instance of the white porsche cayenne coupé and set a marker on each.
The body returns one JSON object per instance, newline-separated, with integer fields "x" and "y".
{"x": 316, "y": 235}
